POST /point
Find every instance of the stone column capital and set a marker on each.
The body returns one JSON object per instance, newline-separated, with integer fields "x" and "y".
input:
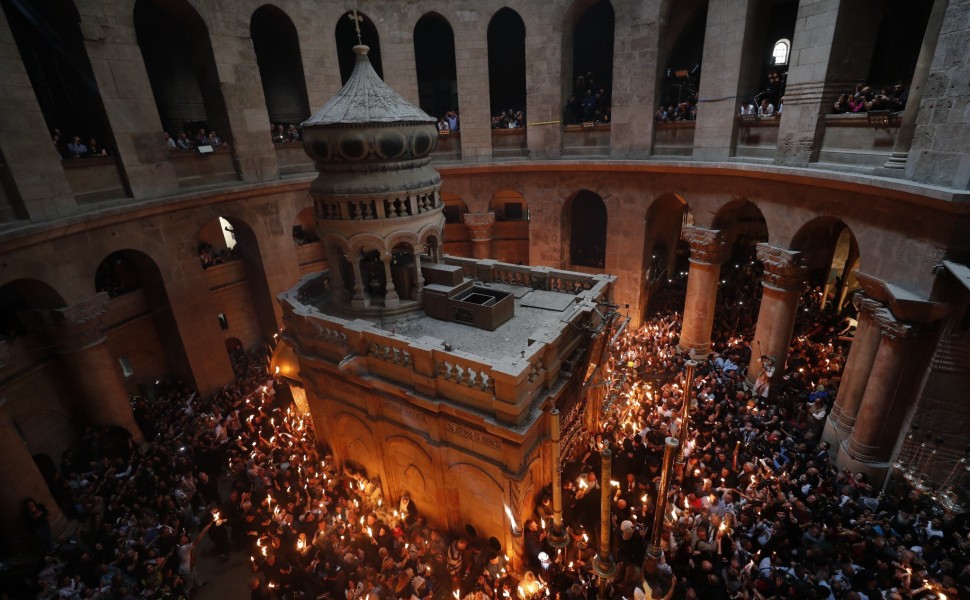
{"x": 891, "y": 329}
{"x": 706, "y": 245}
{"x": 867, "y": 307}
{"x": 74, "y": 328}
{"x": 479, "y": 225}
{"x": 784, "y": 269}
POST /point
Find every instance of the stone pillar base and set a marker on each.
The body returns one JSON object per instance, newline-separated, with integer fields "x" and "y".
{"x": 876, "y": 471}
{"x": 835, "y": 433}
{"x": 695, "y": 353}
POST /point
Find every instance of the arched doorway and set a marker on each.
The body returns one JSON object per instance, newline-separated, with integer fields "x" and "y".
{"x": 665, "y": 256}
{"x": 277, "y": 48}
{"x": 586, "y": 214}
{"x": 345, "y": 36}
{"x": 434, "y": 55}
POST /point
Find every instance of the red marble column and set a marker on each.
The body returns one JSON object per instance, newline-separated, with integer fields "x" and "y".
{"x": 95, "y": 376}
{"x": 855, "y": 376}
{"x": 480, "y": 226}
{"x": 708, "y": 249}
{"x": 888, "y": 397}
{"x": 781, "y": 285}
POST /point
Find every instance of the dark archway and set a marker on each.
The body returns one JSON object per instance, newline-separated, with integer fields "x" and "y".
{"x": 831, "y": 253}
{"x": 24, "y": 294}
{"x": 661, "y": 240}
{"x": 434, "y": 57}
{"x": 181, "y": 67}
{"x": 48, "y": 36}
{"x": 346, "y": 38}
{"x": 898, "y": 43}
{"x": 132, "y": 271}
{"x": 277, "y": 48}
{"x": 591, "y": 76}
{"x": 506, "y": 62}
{"x": 587, "y": 230}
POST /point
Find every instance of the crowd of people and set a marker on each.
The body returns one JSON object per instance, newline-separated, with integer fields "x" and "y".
{"x": 187, "y": 141}
{"x": 76, "y": 147}
{"x": 763, "y": 108}
{"x": 682, "y": 111}
{"x": 589, "y": 102}
{"x": 864, "y": 99}
{"x": 758, "y": 510}
{"x": 210, "y": 256}
{"x": 449, "y": 122}
{"x": 508, "y": 119}
{"x": 284, "y": 133}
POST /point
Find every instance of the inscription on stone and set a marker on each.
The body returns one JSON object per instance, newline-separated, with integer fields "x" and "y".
{"x": 350, "y": 390}
{"x": 403, "y": 409}
{"x": 475, "y": 436}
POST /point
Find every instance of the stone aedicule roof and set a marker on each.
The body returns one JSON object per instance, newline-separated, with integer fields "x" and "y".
{"x": 367, "y": 99}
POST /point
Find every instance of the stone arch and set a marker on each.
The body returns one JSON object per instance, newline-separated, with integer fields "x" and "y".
{"x": 509, "y": 205}
{"x": 367, "y": 241}
{"x": 157, "y": 350}
{"x": 830, "y": 252}
{"x": 435, "y": 63}
{"x": 588, "y": 29}
{"x": 661, "y": 244}
{"x": 683, "y": 49}
{"x": 454, "y": 208}
{"x": 356, "y": 439}
{"x": 479, "y": 496}
{"x": 277, "y": 47}
{"x": 585, "y": 220}
{"x": 345, "y": 36}
{"x": 506, "y": 61}
{"x": 744, "y": 224}
{"x": 305, "y": 227}
{"x": 177, "y": 51}
{"x": 412, "y": 468}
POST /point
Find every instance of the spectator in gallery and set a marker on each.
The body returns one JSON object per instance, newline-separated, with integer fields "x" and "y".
{"x": 443, "y": 125}
{"x": 95, "y": 150}
{"x": 748, "y": 108}
{"x": 169, "y": 142}
{"x": 184, "y": 143}
{"x": 214, "y": 140}
{"x": 767, "y": 109}
{"x": 76, "y": 148}
{"x": 452, "y": 117}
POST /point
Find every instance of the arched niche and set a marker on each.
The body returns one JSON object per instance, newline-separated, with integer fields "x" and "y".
{"x": 585, "y": 219}
{"x": 278, "y": 56}
{"x": 831, "y": 253}
{"x": 506, "y": 62}
{"x": 434, "y": 57}
{"x": 588, "y": 61}
{"x": 177, "y": 51}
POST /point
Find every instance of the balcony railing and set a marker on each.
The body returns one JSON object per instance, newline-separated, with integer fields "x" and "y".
{"x": 94, "y": 178}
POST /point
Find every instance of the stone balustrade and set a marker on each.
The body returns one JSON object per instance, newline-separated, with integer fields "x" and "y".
{"x": 358, "y": 209}
{"x": 504, "y": 387}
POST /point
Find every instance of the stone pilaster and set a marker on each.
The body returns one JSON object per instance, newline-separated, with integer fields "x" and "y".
{"x": 78, "y": 334}
{"x": 242, "y": 91}
{"x": 855, "y": 376}
{"x": 21, "y": 480}
{"x": 544, "y": 79}
{"x": 889, "y": 393}
{"x": 635, "y": 55}
{"x": 938, "y": 154}
{"x": 471, "y": 64}
{"x": 731, "y": 43}
{"x": 29, "y": 154}
{"x": 708, "y": 249}
{"x": 122, "y": 80}
{"x": 831, "y": 51}
{"x": 781, "y": 285}
{"x": 480, "y": 226}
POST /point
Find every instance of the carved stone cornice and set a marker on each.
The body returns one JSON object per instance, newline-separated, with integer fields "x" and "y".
{"x": 479, "y": 225}
{"x": 74, "y": 328}
{"x": 866, "y": 306}
{"x": 706, "y": 245}
{"x": 783, "y": 269}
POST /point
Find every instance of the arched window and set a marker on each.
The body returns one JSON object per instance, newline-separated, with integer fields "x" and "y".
{"x": 346, "y": 38}
{"x": 779, "y": 53}
{"x": 506, "y": 62}
{"x": 434, "y": 55}
{"x": 280, "y": 68}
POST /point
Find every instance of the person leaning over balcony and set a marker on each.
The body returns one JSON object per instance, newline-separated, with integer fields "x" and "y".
{"x": 748, "y": 108}
{"x": 767, "y": 109}
{"x": 184, "y": 143}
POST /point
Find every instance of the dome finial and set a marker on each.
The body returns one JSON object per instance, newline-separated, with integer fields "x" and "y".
{"x": 357, "y": 19}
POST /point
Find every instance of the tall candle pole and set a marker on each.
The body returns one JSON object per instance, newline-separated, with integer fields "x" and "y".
{"x": 603, "y": 564}
{"x": 557, "y": 535}
{"x": 660, "y": 507}
{"x": 685, "y": 410}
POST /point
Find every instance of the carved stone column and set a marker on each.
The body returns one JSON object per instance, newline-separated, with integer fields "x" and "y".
{"x": 391, "y": 299}
{"x": 480, "y": 226}
{"x": 781, "y": 285}
{"x": 855, "y": 376}
{"x": 708, "y": 249}
{"x": 360, "y": 299}
{"x": 418, "y": 276}
{"x": 95, "y": 376}
{"x": 889, "y": 392}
